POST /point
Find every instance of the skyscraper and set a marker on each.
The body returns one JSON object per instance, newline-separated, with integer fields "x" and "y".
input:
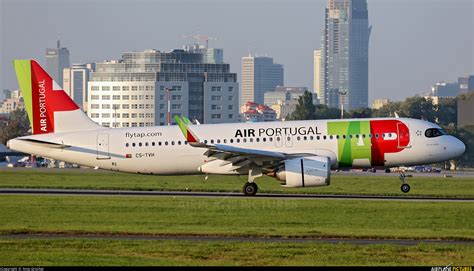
{"x": 259, "y": 75}
{"x": 345, "y": 54}
{"x": 56, "y": 60}
{"x": 75, "y": 80}
{"x": 317, "y": 72}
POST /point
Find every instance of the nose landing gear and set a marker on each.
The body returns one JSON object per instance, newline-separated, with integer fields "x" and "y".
{"x": 405, "y": 187}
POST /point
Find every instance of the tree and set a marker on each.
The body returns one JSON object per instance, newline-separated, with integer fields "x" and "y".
{"x": 418, "y": 108}
{"x": 467, "y": 137}
{"x": 324, "y": 112}
{"x": 17, "y": 124}
{"x": 361, "y": 113}
{"x": 387, "y": 110}
{"x": 447, "y": 112}
{"x": 305, "y": 109}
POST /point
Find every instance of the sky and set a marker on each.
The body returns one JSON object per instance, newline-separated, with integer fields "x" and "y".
{"x": 414, "y": 43}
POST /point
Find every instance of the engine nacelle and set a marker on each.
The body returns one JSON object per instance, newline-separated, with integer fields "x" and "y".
{"x": 309, "y": 171}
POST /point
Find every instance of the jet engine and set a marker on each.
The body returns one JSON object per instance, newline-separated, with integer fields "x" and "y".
{"x": 311, "y": 171}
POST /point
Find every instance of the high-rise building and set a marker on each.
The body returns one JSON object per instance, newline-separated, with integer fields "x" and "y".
{"x": 56, "y": 60}
{"x": 135, "y": 90}
{"x": 259, "y": 75}
{"x": 466, "y": 84}
{"x": 443, "y": 89}
{"x": 317, "y": 72}
{"x": 345, "y": 55}
{"x": 282, "y": 93}
{"x": 466, "y": 111}
{"x": 75, "y": 80}
{"x": 209, "y": 55}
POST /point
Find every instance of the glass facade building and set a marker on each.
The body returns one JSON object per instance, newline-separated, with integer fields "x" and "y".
{"x": 75, "y": 80}
{"x": 259, "y": 75}
{"x": 57, "y": 59}
{"x": 345, "y": 55}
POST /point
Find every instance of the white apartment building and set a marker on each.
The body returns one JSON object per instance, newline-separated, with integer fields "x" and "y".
{"x": 134, "y": 91}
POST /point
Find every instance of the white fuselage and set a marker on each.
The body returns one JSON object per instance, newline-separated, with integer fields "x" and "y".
{"x": 162, "y": 150}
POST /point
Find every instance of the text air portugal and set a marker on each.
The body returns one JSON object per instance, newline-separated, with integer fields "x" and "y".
{"x": 46, "y": 101}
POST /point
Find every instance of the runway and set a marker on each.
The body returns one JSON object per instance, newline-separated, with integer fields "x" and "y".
{"x": 79, "y": 192}
{"x": 355, "y": 241}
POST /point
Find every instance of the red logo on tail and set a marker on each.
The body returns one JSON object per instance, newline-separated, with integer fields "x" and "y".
{"x": 46, "y": 101}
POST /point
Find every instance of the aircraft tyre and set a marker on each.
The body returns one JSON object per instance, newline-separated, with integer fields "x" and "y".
{"x": 405, "y": 188}
{"x": 250, "y": 189}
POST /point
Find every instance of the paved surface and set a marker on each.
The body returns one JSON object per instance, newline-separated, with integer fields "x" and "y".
{"x": 442, "y": 174}
{"x": 395, "y": 175}
{"x": 219, "y": 195}
{"x": 235, "y": 239}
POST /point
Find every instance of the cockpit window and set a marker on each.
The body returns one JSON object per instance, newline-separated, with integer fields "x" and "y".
{"x": 434, "y": 132}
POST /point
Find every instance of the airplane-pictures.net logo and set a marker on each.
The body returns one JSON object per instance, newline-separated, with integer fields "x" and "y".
{"x": 451, "y": 268}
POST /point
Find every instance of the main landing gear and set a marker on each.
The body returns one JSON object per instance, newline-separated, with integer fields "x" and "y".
{"x": 251, "y": 188}
{"x": 405, "y": 187}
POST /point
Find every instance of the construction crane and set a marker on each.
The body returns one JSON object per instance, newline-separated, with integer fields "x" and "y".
{"x": 200, "y": 38}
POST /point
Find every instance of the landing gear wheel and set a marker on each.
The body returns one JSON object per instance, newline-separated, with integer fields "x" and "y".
{"x": 405, "y": 188}
{"x": 250, "y": 189}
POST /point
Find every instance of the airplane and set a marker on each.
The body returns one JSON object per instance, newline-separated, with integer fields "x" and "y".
{"x": 297, "y": 153}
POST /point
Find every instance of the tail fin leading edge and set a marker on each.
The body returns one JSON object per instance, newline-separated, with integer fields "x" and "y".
{"x": 183, "y": 124}
{"x": 49, "y": 108}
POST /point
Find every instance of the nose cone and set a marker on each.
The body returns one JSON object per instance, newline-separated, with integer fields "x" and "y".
{"x": 457, "y": 147}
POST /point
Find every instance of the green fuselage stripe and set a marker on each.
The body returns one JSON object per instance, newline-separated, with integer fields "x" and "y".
{"x": 349, "y": 148}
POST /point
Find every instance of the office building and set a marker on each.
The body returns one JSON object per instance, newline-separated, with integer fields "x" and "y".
{"x": 379, "y": 103}
{"x": 75, "y": 80}
{"x": 13, "y": 101}
{"x": 209, "y": 55}
{"x": 317, "y": 73}
{"x": 282, "y": 93}
{"x": 57, "y": 59}
{"x": 285, "y": 99}
{"x": 259, "y": 75}
{"x": 443, "y": 89}
{"x": 283, "y": 109}
{"x": 466, "y": 84}
{"x": 15, "y": 94}
{"x": 5, "y": 94}
{"x": 345, "y": 55}
{"x": 466, "y": 111}
{"x": 134, "y": 91}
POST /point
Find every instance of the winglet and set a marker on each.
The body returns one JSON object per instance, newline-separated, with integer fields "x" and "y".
{"x": 183, "y": 124}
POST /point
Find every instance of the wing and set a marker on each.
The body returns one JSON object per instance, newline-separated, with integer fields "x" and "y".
{"x": 238, "y": 157}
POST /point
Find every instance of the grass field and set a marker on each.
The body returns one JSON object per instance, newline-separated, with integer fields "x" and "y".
{"x": 236, "y": 217}
{"x": 14, "y": 252}
{"x": 260, "y": 217}
{"x": 365, "y": 184}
